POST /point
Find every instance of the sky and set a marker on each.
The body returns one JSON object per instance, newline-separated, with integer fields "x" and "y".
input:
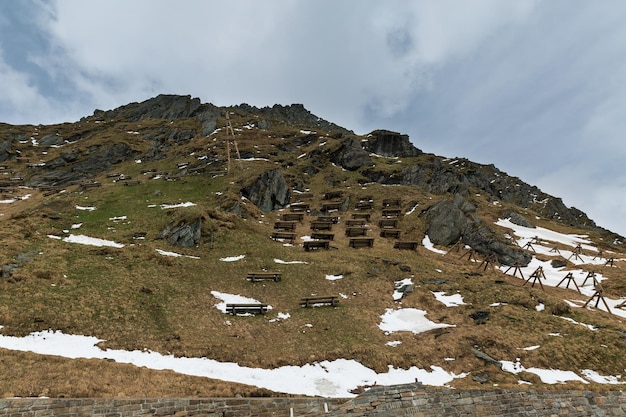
{"x": 537, "y": 88}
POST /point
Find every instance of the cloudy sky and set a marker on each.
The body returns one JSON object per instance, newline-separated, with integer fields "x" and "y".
{"x": 536, "y": 87}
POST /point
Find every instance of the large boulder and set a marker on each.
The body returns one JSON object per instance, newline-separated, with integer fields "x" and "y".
{"x": 390, "y": 144}
{"x": 183, "y": 234}
{"x": 448, "y": 219}
{"x": 451, "y": 220}
{"x": 485, "y": 241}
{"x": 270, "y": 191}
{"x": 351, "y": 155}
{"x": 517, "y": 219}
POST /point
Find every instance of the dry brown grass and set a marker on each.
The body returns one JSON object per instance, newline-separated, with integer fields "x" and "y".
{"x": 135, "y": 298}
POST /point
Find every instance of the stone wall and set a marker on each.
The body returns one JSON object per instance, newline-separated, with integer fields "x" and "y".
{"x": 416, "y": 400}
{"x": 128, "y": 407}
{"x": 382, "y": 401}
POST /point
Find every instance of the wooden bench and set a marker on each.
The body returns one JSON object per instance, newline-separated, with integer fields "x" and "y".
{"x": 264, "y": 276}
{"x": 122, "y": 177}
{"x": 410, "y": 245}
{"x": 361, "y": 242}
{"x": 391, "y": 202}
{"x": 235, "y": 309}
{"x": 318, "y": 225}
{"x": 355, "y": 222}
{"x": 314, "y": 301}
{"x": 292, "y": 217}
{"x": 86, "y": 185}
{"x": 310, "y": 245}
{"x": 296, "y": 197}
{"x": 330, "y": 195}
{"x": 393, "y": 233}
{"x": 284, "y": 225}
{"x": 363, "y": 216}
{"x": 356, "y": 231}
{"x": 391, "y": 213}
{"x": 364, "y": 205}
{"x": 332, "y": 219}
{"x": 299, "y": 207}
{"x": 328, "y": 207}
{"x": 388, "y": 223}
{"x": 288, "y": 236}
{"x": 322, "y": 236}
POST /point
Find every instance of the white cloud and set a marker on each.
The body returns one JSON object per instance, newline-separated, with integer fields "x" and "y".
{"x": 337, "y": 58}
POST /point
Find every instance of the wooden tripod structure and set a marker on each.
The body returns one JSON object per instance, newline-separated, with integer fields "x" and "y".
{"x": 489, "y": 260}
{"x": 470, "y": 254}
{"x": 529, "y": 245}
{"x": 230, "y": 137}
{"x": 516, "y": 268}
{"x": 576, "y": 253}
{"x": 591, "y": 275}
{"x": 570, "y": 279}
{"x": 555, "y": 250}
{"x": 536, "y": 277}
{"x": 456, "y": 247}
{"x": 598, "y": 296}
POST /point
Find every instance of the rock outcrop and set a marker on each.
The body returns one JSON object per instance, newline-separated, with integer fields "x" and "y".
{"x": 390, "y": 144}
{"x": 269, "y": 192}
{"x": 183, "y": 234}
{"x": 163, "y": 106}
{"x": 351, "y": 155}
{"x": 440, "y": 176}
{"x": 451, "y": 220}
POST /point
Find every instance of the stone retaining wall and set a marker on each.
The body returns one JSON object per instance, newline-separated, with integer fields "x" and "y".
{"x": 382, "y": 401}
{"x": 209, "y": 407}
{"x": 416, "y": 400}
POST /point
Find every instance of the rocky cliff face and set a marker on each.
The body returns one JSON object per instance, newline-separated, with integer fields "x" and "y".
{"x": 390, "y": 144}
{"x": 427, "y": 172}
{"x": 437, "y": 175}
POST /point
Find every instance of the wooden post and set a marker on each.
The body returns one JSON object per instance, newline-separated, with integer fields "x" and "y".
{"x": 230, "y": 136}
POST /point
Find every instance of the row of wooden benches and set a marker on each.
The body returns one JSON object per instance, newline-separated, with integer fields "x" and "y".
{"x": 357, "y": 242}
{"x": 324, "y": 223}
{"x": 301, "y": 208}
{"x": 333, "y": 195}
{"x": 260, "y": 308}
{"x": 355, "y": 217}
{"x": 320, "y": 240}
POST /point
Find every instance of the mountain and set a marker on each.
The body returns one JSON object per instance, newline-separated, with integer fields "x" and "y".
{"x": 126, "y": 224}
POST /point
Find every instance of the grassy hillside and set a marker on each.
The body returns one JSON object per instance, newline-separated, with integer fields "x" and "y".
{"x": 134, "y": 297}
